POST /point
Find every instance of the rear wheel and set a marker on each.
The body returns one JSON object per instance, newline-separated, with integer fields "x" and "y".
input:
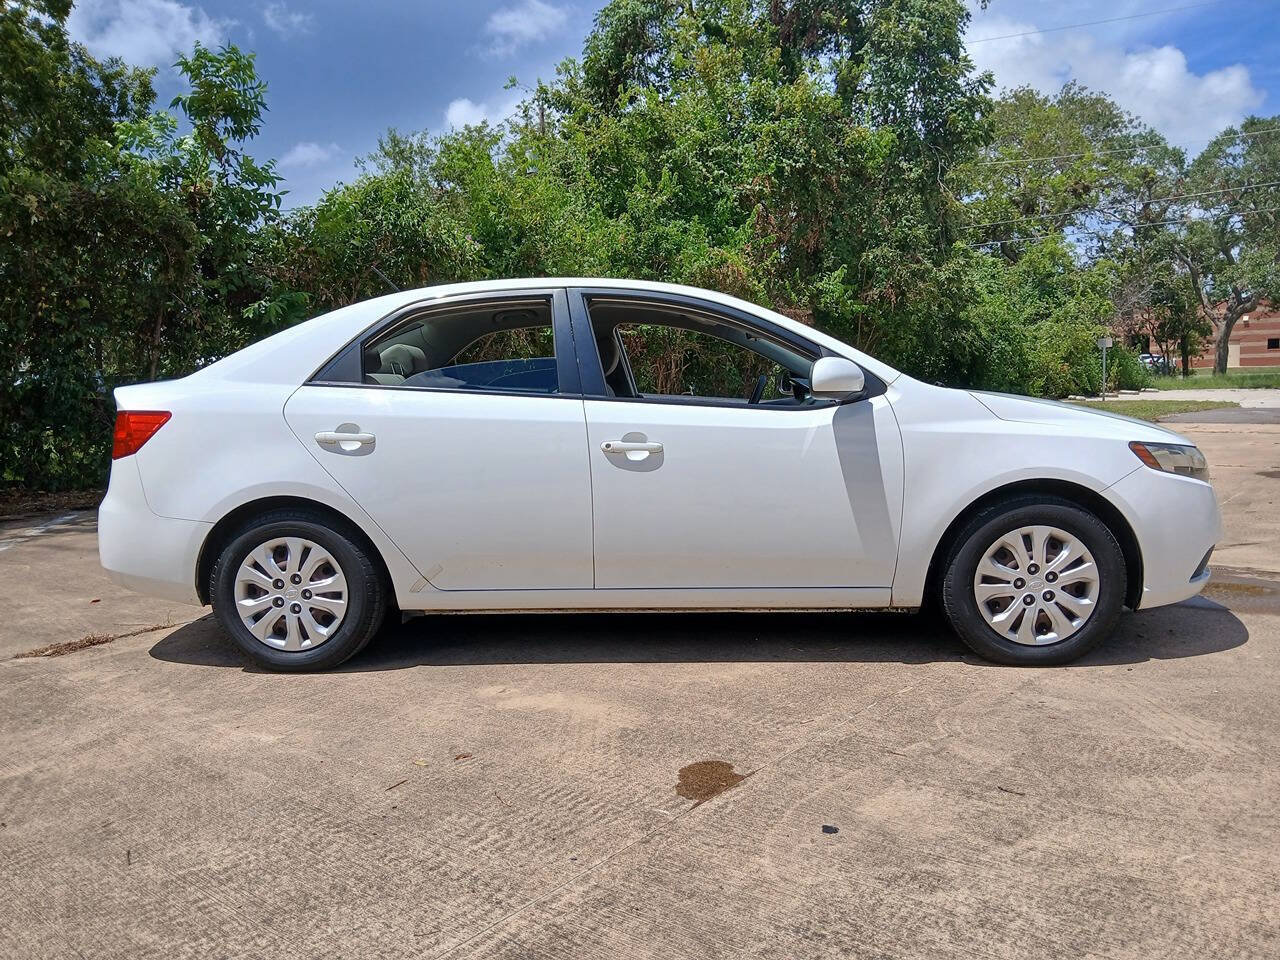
{"x": 1034, "y": 581}
{"x": 295, "y": 593}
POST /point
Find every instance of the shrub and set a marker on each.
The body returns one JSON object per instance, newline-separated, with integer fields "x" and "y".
{"x": 1125, "y": 371}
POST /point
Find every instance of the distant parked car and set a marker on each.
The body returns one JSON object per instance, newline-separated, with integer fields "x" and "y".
{"x": 1156, "y": 363}
{"x": 609, "y": 444}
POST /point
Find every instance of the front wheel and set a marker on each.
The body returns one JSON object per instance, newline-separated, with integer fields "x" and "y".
{"x": 1034, "y": 581}
{"x": 295, "y": 593}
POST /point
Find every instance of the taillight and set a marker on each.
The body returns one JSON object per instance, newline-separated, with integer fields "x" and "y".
{"x": 134, "y": 428}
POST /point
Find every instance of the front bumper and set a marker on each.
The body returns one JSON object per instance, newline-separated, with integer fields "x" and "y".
{"x": 1177, "y": 523}
{"x": 139, "y": 550}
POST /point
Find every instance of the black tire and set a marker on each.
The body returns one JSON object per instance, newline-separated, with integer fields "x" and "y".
{"x": 957, "y": 587}
{"x": 367, "y": 593}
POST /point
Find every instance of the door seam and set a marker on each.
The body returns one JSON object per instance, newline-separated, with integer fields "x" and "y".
{"x": 356, "y": 503}
{"x": 591, "y": 485}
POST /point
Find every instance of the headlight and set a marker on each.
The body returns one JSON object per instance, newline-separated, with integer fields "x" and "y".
{"x": 1182, "y": 459}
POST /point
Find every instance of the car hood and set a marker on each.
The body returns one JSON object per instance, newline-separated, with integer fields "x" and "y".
{"x": 1018, "y": 409}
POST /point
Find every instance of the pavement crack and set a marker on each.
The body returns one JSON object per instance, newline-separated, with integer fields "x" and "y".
{"x": 91, "y": 640}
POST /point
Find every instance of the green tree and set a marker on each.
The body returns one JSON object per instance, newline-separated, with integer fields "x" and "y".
{"x": 791, "y": 152}
{"x": 78, "y": 242}
{"x": 839, "y": 160}
{"x": 127, "y": 250}
{"x": 1037, "y": 321}
{"x": 382, "y": 228}
{"x": 1177, "y": 324}
{"x": 1230, "y": 240}
{"x": 1070, "y": 161}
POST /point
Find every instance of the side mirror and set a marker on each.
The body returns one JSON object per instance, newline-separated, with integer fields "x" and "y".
{"x": 835, "y": 378}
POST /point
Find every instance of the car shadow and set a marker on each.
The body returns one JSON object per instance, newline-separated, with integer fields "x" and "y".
{"x": 1196, "y": 628}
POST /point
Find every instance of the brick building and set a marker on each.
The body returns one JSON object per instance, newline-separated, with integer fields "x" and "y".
{"x": 1255, "y": 341}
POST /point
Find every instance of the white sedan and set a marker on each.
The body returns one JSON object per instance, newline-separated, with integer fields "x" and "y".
{"x": 618, "y": 445}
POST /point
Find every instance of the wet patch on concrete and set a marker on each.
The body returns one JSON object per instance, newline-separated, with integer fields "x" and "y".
{"x": 1270, "y": 474}
{"x": 1244, "y": 590}
{"x": 705, "y": 779}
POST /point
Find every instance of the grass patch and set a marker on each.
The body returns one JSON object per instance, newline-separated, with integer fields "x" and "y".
{"x": 1234, "y": 380}
{"x": 1154, "y": 409}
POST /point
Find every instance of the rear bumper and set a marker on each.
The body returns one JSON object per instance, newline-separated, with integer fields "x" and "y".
{"x": 1177, "y": 523}
{"x": 139, "y": 550}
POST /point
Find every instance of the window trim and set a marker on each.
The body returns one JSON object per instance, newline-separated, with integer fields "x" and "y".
{"x": 593, "y": 370}
{"x": 337, "y": 371}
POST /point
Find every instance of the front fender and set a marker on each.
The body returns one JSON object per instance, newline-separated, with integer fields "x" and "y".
{"x": 956, "y": 452}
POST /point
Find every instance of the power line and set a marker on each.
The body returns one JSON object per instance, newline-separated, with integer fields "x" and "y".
{"x": 1096, "y": 153}
{"x": 1094, "y": 23}
{"x": 1159, "y": 223}
{"x": 1182, "y": 196}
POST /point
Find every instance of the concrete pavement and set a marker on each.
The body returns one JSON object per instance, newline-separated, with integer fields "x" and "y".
{"x": 1244, "y": 465}
{"x": 53, "y": 591}
{"x": 511, "y": 786}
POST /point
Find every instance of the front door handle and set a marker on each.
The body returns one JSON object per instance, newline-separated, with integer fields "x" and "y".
{"x": 329, "y": 436}
{"x": 630, "y": 446}
{"x": 346, "y": 441}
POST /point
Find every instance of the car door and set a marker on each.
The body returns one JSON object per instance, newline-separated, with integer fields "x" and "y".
{"x": 452, "y": 428}
{"x": 710, "y": 491}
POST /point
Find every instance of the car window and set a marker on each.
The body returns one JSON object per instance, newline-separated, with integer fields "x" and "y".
{"x": 481, "y": 346}
{"x": 669, "y": 361}
{"x": 652, "y": 351}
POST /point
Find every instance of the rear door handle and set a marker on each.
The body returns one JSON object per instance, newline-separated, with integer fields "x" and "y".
{"x": 630, "y": 446}
{"x": 330, "y": 436}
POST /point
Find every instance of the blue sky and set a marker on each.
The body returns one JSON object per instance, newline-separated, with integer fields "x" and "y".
{"x": 340, "y": 73}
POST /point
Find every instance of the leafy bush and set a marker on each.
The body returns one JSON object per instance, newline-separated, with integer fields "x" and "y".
{"x": 129, "y": 252}
{"x": 1038, "y": 322}
{"x": 1125, "y": 371}
{"x": 826, "y": 159}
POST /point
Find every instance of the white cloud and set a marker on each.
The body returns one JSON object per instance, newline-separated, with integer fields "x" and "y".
{"x": 466, "y": 112}
{"x": 286, "y": 22}
{"x": 308, "y": 153}
{"x": 143, "y": 32}
{"x": 1153, "y": 82}
{"x": 529, "y": 21}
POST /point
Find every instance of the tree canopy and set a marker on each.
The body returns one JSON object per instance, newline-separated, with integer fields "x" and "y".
{"x": 839, "y": 160}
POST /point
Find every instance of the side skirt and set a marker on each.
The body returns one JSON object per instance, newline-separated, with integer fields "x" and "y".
{"x": 721, "y": 599}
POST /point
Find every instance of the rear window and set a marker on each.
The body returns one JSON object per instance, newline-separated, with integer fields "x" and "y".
{"x": 507, "y": 346}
